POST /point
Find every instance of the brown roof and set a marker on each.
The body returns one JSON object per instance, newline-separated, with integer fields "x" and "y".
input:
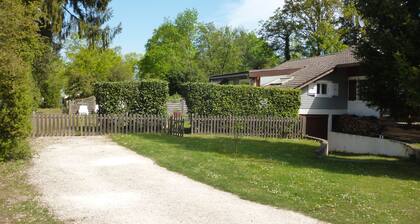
{"x": 311, "y": 68}
{"x": 272, "y": 72}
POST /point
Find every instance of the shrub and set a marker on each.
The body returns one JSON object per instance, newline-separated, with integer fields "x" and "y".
{"x": 145, "y": 97}
{"x": 351, "y": 124}
{"x": 15, "y": 107}
{"x": 211, "y": 99}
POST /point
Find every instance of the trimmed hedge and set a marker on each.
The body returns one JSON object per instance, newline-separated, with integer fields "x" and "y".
{"x": 211, "y": 99}
{"x": 135, "y": 97}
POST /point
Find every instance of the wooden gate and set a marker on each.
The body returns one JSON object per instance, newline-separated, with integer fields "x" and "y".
{"x": 87, "y": 125}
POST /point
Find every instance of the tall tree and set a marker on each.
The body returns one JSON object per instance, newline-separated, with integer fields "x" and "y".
{"x": 389, "y": 51}
{"x": 225, "y": 50}
{"x": 318, "y": 19}
{"x": 282, "y": 31}
{"x": 351, "y": 23}
{"x": 170, "y": 52}
{"x": 187, "y": 50}
{"x": 20, "y": 44}
{"x": 308, "y": 27}
{"x": 89, "y": 65}
{"x": 87, "y": 18}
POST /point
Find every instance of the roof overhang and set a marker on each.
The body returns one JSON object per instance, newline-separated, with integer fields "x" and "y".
{"x": 239, "y": 75}
{"x": 271, "y": 72}
{"x": 318, "y": 77}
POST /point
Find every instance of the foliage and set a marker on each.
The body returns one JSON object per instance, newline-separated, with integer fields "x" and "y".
{"x": 48, "y": 73}
{"x": 350, "y": 23}
{"x": 170, "y": 53}
{"x": 89, "y": 65}
{"x": 145, "y": 97}
{"x": 187, "y": 50}
{"x": 306, "y": 27}
{"x": 210, "y": 99}
{"x": 287, "y": 174}
{"x": 20, "y": 45}
{"x": 87, "y": 18}
{"x": 389, "y": 51}
{"x": 20, "y": 34}
{"x": 365, "y": 126}
{"x": 226, "y": 50}
{"x": 282, "y": 31}
{"x": 15, "y": 106}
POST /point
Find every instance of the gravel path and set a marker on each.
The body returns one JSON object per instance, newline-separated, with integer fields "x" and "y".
{"x": 93, "y": 180}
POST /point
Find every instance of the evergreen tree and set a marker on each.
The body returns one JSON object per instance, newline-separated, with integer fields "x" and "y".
{"x": 20, "y": 44}
{"x": 389, "y": 51}
{"x": 84, "y": 17}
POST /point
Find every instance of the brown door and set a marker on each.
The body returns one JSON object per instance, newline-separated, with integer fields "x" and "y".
{"x": 317, "y": 126}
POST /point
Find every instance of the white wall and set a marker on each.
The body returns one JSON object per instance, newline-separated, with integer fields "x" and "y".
{"x": 360, "y": 108}
{"x": 366, "y": 145}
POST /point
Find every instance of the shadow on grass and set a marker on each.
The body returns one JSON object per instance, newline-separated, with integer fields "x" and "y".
{"x": 299, "y": 154}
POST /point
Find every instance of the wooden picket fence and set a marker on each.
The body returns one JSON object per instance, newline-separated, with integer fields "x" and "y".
{"x": 269, "y": 127}
{"x": 89, "y": 125}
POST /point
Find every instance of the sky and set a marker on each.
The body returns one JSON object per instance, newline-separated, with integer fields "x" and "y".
{"x": 140, "y": 17}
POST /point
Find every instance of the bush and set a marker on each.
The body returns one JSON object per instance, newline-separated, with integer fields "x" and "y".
{"x": 145, "y": 97}
{"x": 15, "y": 107}
{"x": 351, "y": 124}
{"x": 211, "y": 99}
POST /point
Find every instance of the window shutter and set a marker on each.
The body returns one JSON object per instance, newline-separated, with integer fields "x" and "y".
{"x": 312, "y": 89}
{"x": 335, "y": 89}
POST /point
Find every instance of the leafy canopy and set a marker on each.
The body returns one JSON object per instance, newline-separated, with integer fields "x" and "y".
{"x": 89, "y": 65}
{"x": 187, "y": 50}
{"x": 389, "y": 51}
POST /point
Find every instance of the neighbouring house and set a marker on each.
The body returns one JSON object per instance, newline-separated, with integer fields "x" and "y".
{"x": 329, "y": 87}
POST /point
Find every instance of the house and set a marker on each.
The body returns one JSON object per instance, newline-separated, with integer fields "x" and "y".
{"x": 329, "y": 86}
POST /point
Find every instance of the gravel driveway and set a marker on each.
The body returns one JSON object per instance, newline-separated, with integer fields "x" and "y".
{"x": 94, "y": 180}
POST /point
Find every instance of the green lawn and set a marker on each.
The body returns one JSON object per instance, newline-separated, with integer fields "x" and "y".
{"x": 416, "y": 145}
{"x": 288, "y": 174}
{"x": 17, "y": 198}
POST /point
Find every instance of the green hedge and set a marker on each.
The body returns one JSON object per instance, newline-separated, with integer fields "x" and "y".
{"x": 211, "y": 99}
{"x": 145, "y": 97}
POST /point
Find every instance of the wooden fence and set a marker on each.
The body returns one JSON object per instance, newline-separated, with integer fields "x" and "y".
{"x": 86, "y": 125}
{"x": 248, "y": 126}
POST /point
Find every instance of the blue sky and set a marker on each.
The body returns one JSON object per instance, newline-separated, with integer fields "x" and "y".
{"x": 140, "y": 17}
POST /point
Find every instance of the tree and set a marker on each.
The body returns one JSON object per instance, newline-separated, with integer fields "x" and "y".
{"x": 390, "y": 56}
{"x": 84, "y": 17}
{"x": 48, "y": 74}
{"x": 225, "y": 50}
{"x": 186, "y": 50}
{"x": 218, "y": 52}
{"x": 20, "y": 44}
{"x": 89, "y": 65}
{"x": 305, "y": 27}
{"x": 171, "y": 52}
{"x": 282, "y": 30}
{"x": 318, "y": 19}
{"x": 350, "y": 23}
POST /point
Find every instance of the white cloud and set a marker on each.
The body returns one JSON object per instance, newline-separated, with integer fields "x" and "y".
{"x": 248, "y": 13}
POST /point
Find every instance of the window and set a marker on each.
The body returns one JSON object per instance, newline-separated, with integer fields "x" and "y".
{"x": 354, "y": 87}
{"x": 321, "y": 89}
{"x": 352, "y": 90}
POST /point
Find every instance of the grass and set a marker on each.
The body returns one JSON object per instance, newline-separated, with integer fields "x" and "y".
{"x": 288, "y": 174}
{"x": 17, "y": 197}
{"x": 416, "y": 145}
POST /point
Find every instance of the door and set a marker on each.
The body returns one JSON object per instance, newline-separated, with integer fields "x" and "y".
{"x": 317, "y": 126}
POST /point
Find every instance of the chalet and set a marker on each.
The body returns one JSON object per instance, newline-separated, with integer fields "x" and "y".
{"x": 328, "y": 84}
